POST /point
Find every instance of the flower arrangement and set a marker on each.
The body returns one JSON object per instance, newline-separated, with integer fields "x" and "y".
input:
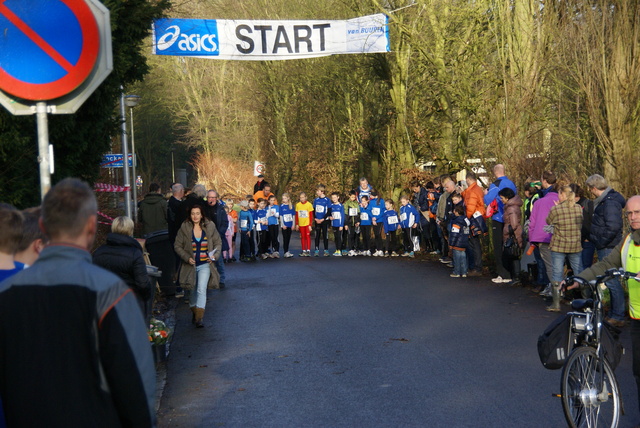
{"x": 158, "y": 332}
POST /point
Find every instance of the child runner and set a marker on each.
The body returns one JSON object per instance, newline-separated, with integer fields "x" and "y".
{"x": 287, "y": 217}
{"x": 228, "y": 235}
{"x": 390, "y": 222}
{"x": 245, "y": 222}
{"x": 458, "y": 241}
{"x": 304, "y": 222}
{"x": 409, "y": 223}
{"x": 252, "y": 240}
{"x": 321, "y": 206}
{"x": 377, "y": 210}
{"x": 337, "y": 221}
{"x": 273, "y": 220}
{"x": 352, "y": 223}
{"x": 365, "y": 225}
{"x": 262, "y": 227}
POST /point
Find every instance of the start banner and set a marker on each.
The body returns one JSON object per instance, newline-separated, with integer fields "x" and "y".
{"x": 269, "y": 40}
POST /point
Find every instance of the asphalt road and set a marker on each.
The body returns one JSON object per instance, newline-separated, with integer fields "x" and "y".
{"x": 365, "y": 342}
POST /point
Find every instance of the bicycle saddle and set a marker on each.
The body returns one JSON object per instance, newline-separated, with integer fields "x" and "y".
{"x": 581, "y": 304}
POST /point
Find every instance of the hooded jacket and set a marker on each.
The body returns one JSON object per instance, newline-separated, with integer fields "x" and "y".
{"x": 512, "y": 217}
{"x": 153, "y": 213}
{"x": 606, "y": 222}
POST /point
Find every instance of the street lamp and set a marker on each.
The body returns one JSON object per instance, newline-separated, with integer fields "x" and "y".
{"x": 132, "y": 101}
{"x": 125, "y": 157}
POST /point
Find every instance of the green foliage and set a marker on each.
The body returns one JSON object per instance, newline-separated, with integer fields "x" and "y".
{"x": 80, "y": 139}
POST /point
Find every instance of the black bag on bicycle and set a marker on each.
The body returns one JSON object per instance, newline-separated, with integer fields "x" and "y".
{"x": 613, "y": 349}
{"x": 554, "y": 345}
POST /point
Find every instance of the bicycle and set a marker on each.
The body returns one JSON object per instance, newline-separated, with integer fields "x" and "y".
{"x": 589, "y": 388}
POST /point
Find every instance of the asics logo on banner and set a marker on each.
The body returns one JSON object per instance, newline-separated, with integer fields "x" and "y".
{"x": 188, "y": 42}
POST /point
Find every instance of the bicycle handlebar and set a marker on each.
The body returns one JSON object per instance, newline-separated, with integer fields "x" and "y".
{"x": 609, "y": 274}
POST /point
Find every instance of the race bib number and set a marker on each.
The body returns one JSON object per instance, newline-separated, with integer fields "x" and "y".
{"x": 364, "y": 216}
{"x": 336, "y": 215}
{"x": 393, "y": 219}
{"x": 375, "y": 211}
{"x": 320, "y": 209}
{"x": 272, "y": 212}
{"x": 303, "y": 214}
{"x": 243, "y": 224}
{"x": 403, "y": 216}
{"x": 477, "y": 214}
{"x": 353, "y": 212}
{"x": 288, "y": 218}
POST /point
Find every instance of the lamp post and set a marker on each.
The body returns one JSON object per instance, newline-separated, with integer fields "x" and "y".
{"x": 173, "y": 166}
{"x": 125, "y": 158}
{"x": 132, "y": 101}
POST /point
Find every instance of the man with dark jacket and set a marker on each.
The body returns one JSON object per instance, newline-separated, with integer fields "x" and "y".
{"x": 216, "y": 213}
{"x": 153, "y": 211}
{"x": 421, "y": 202}
{"x": 75, "y": 347}
{"x": 606, "y": 233}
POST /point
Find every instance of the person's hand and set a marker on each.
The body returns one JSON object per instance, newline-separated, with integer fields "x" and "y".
{"x": 192, "y": 262}
{"x": 414, "y": 225}
{"x": 297, "y": 228}
{"x": 565, "y": 286}
{"x": 284, "y": 228}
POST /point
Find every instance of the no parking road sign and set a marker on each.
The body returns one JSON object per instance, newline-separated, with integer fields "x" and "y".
{"x": 57, "y": 51}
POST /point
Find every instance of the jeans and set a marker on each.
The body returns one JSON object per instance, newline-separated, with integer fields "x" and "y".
{"x": 615, "y": 290}
{"x": 475, "y": 245}
{"x": 588, "y": 251}
{"x": 543, "y": 278}
{"x": 557, "y": 259}
{"x": 198, "y": 296}
{"x": 220, "y": 268}
{"x": 545, "y": 254}
{"x": 459, "y": 262}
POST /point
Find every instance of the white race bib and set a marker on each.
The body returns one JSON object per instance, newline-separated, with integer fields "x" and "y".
{"x": 353, "y": 212}
{"x": 375, "y": 211}
{"x": 320, "y": 209}
{"x": 403, "y": 216}
{"x": 243, "y": 224}
{"x": 272, "y": 212}
{"x": 336, "y": 215}
{"x": 288, "y": 218}
{"x": 364, "y": 216}
{"x": 303, "y": 214}
{"x": 393, "y": 219}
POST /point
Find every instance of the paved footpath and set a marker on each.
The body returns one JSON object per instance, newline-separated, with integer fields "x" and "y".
{"x": 365, "y": 342}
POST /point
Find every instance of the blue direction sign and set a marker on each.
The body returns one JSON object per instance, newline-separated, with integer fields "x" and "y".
{"x": 47, "y": 47}
{"x": 114, "y": 160}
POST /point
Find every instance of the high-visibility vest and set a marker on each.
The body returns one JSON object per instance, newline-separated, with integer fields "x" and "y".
{"x": 630, "y": 256}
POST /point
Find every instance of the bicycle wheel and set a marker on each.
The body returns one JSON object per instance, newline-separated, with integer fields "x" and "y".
{"x": 590, "y": 398}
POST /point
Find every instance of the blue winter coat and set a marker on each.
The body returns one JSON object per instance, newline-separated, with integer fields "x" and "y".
{"x": 606, "y": 223}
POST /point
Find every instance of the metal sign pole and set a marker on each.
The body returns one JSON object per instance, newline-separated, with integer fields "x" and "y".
{"x": 125, "y": 159}
{"x": 133, "y": 167}
{"x": 43, "y": 147}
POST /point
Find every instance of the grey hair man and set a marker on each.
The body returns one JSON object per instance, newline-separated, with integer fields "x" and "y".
{"x": 95, "y": 368}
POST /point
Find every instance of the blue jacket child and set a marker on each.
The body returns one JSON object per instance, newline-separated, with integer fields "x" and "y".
{"x": 365, "y": 215}
{"x": 408, "y": 216}
{"x": 273, "y": 215}
{"x": 390, "y": 221}
{"x": 377, "y": 209}
{"x": 245, "y": 220}
{"x": 287, "y": 215}
{"x": 459, "y": 232}
{"x": 321, "y": 207}
{"x": 337, "y": 215}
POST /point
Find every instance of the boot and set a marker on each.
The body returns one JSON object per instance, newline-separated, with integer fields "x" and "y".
{"x": 555, "y": 294}
{"x": 199, "y": 313}
{"x": 193, "y": 314}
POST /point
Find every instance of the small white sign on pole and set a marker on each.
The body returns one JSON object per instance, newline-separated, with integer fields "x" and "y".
{"x": 258, "y": 168}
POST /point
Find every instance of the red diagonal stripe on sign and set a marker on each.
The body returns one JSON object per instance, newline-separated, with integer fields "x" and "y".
{"x": 35, "y": 38}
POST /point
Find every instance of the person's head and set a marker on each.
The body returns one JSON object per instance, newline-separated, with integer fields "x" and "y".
{"x": 11, "y": 221}
{"x": 244, "y": 205}
{"x": 154, "y": 188}
{"x": 577, "y": 190}
{"x": 364, "y": 183}
{"x": 267, "y": 188}
{"x": 320, "y": 189}
{"x": 122, "y": 225}
{"x": 449, "y": 185}
{"x": 388, "y": 204}
{"x": 335, "y": 197}
{"x": 252, "y": 204}
{"x": 374, "y": 194}
{"x": 458, "y": 210}
{"x": 364, "y": 201}
{"x": 286, "y": 199}
{"x": 200, "y": 191}
{"x": 415, "y": 186}
{"x": 498, "y": 170}
{"x": 548, "y": 179}
{"x": 597, "y": 184}
{"x": 69, "y": 213}
{"x": 196, "y": 215}
{"x": 632, "y": 212}
{"x": 404, "y": 200}
{"x": 226, "y": 209}
{"x": 430, "y": 185}
{"x": 33, "y": 239}
{"x": 566, "y": 194}
{"x": 212, "y": 197}
{"x": 353, "y": 195}
{"x": 506, "y": 194}
{"x": 262, "y": 203}
{"x": 303, "y": 197}
{"x": 177, "y": 190}
{"x": 471, "y": 178}
{"x": 272, "y": 200}
{"x": 456, "y": 198}
{"x": 260, "y": 177}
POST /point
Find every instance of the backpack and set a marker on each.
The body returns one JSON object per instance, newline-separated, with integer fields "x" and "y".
{"x": 555, "y": 344}
{"x": 434, "y": 207}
